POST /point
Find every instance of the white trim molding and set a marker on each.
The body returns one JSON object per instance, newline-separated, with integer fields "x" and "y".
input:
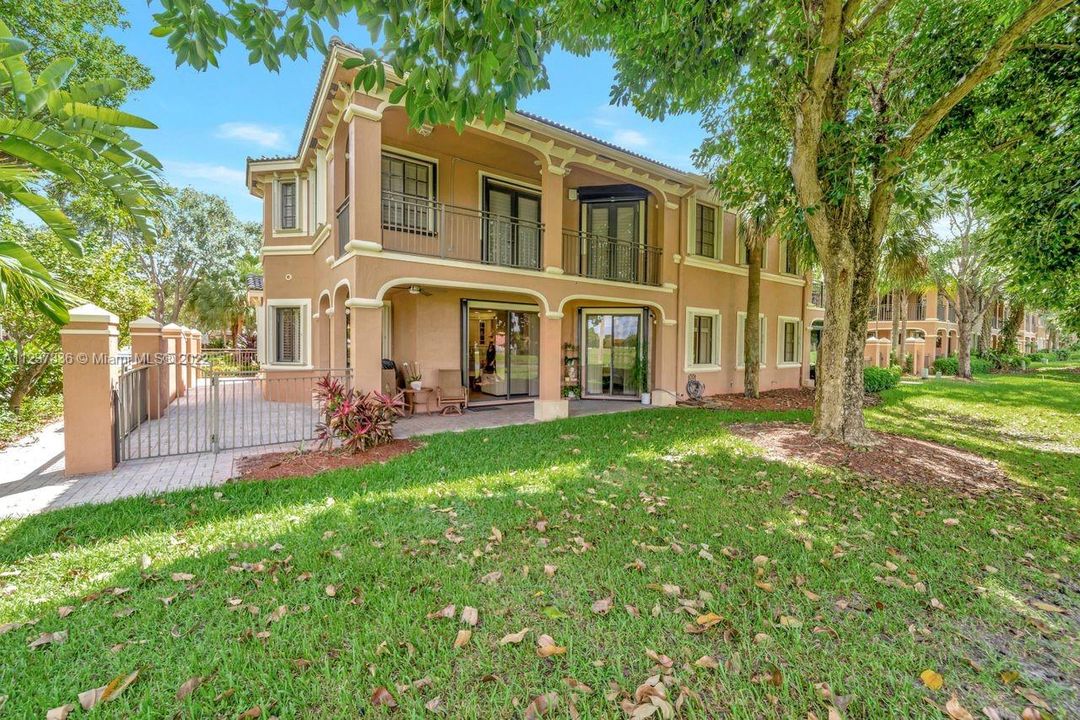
{"x": 688, "y": 364}
{"x": 781, "y": 321}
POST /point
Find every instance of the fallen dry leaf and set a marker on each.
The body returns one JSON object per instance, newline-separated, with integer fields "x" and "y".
{"x": 182, "y": 577}
{"x": 469, "y": 616}
{"x": 462, "y": 638}
{"x": 434, "y": 705}
{"x": 707, "y": 661}
{"x": 546, "y": 647}
{"x": 540, "y": 705}
{"x": 931, "y": 679}
{"x": 280, "y": 612}
{"x": 957, "y": 711}
{"x": 549, "y": 570}
{"x": 251, "y": 713}
{"x": 59, "y": 713}
{"x": 64, "y": 611}
{"x": 105, "y": 693}
{"x": 189, "y": 686}
{"x": 446, "y": 612}
{"x": 491, "y": 578}
{"x": 382, "y": 696}
{"x": 601, "y": 606}
{"x": 514, "y": 638}
{"x": 1047, "y": 607}
{"x": 54, "y": 638}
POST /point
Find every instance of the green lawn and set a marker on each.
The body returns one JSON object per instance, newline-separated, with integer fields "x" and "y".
{"x": 818, "y": 577}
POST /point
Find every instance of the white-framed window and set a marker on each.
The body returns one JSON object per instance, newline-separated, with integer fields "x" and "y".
{"x": 702, "y": 339}
{"x": 740, "y": 340}
{"x": 789, "y": 262}
{"x": 707, "y": 231}
{"x": 408, "y": 187}
{"x": 287, "y": 205}
{"x": 287, "y": 325}
{"x": 788, "y": 342}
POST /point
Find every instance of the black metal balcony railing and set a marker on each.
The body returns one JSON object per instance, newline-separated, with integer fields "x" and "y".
{"x": 920, "y": 311}
{"x": 342, "y": 227}
{"x": 427, "y": 227}
{"x": 884, "y": 312}
{"x": 606, "y": 258}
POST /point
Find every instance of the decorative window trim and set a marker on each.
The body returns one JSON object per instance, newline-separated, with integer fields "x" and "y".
{"x": 692, "y": 312}
{"x": 763, "y": 340}
{"x": 781, "y": 321}
{"x": 718, "y": 231}
{"x": 780, "y": 268}
{"x": 300, "y": 227}
{"x": 304, "y": 305}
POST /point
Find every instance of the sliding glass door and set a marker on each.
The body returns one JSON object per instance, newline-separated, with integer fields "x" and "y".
{"x": 613, "y": 342}
{"x": 502, "y": 346}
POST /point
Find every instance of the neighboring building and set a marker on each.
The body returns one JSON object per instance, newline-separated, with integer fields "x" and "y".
{"x": 502, "y": 251}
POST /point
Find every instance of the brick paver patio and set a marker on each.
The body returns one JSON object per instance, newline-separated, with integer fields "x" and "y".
{"x": 32, "y": 472}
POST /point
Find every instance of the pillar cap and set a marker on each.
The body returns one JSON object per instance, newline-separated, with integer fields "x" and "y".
{"x": 145, "y": 322}
{"x": 91, "y": 313}
{"x": 172, "y": 328}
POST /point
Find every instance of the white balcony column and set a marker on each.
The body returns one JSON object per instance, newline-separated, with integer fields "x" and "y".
{"x": 551, "y": 203}
{"x": 365, "y": 177}
{"x": 551, "y": 405}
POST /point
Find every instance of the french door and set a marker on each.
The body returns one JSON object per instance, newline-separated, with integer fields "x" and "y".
{"x": 614, "y": 344}
{"x": 614, "y": 240}
{"x": 502, "y": 346}
{"x": 512, "y": 226}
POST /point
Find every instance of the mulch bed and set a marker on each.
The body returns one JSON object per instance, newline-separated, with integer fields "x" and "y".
{"x": 301, "y": 464}
{"x": 892, "y": 458}
{"x": 783, "y": 399}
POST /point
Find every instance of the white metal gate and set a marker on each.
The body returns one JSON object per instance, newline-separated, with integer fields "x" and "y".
{"x": 222, "y": 408}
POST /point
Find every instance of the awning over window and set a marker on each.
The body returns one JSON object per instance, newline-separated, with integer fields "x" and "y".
{"x": 611, "y": 193}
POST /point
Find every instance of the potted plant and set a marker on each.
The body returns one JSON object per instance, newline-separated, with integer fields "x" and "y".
{"x": 639, "y": 375}
{"x": 571, "y": 392}
{"x": 412, "y": 374}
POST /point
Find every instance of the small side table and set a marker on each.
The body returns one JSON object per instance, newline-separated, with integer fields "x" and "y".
{"x": 418, "y": 398}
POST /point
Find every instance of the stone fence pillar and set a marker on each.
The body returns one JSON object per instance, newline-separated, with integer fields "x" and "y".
{"x": 89, "y": 343}
{"x": 148, "y": 347}
{"x": 174, "y": 347}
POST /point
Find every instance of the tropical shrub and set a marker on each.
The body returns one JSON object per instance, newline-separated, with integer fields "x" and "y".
{"x": 949, "y": 365}
{"x": 356, "y": 420}
{"x": 876, "y": 379}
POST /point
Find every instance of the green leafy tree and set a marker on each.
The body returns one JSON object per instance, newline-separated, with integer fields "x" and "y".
{"x": 963, "y": 264}
{"x": 52, "y": 130}
{"x": 219, "y": 302}
{"x": 857, "y": 86}
{"x": 102, "y": 275}
{"x": 202, "y": 239}
{"x": 904, "y": 271}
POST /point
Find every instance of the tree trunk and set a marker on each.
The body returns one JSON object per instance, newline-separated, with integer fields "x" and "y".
{"x": 752, "y": 330}
{"x": 965, "y": 315}
{"x": 864, "y": 280}
{"x": 830, "y": 375}
{"x": 1011, "y": 328}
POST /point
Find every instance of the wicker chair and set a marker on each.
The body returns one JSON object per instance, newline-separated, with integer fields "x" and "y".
{"x": 451, "y": 395}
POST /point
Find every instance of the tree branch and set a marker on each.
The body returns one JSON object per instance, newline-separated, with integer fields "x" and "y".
{"x": 990, "y": 63}
{"x": 880, "y": 9}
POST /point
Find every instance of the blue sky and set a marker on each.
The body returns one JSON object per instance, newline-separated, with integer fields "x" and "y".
{"x": 210, "y": 122}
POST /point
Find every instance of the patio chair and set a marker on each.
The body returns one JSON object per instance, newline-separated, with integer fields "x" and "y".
{"x": 451, "y": 395}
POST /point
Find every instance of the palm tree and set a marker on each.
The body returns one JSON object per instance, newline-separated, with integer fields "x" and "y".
{"x": 49, "y": 132}
{"x": 904, "y": 271}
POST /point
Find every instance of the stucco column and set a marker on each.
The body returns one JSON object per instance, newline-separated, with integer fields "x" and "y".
{"x": 148, "y": 347}
{"x": 337, "y": 317}
{"x": 89, "y": 343}
{"x": 669, "y": 241}
{"x": 551, "y": 405}
{"x": 365, "y": 177}
{"x": 173, "y": 335}
{"x": 193, "y": 342}
{"x": 917, "y": 350}
{"x": 665, "y": 373}
{"x": 551, "y": 214}
{"x": 365, "y": 319}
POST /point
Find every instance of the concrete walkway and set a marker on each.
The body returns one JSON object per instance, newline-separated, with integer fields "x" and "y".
{"x": 32, "y": 471}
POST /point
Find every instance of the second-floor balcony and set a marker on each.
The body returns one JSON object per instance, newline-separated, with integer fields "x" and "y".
{"x": 606, "y": 258}
{"x": 428, "y": 227}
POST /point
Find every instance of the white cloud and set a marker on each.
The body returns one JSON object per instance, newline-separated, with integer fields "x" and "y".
{"x": 260, "y": 135}
{"x": 209, "y": 173}
{"x": 630, "y": 138}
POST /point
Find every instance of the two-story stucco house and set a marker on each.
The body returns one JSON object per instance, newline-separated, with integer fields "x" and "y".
{"x": 502, "y": 251}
